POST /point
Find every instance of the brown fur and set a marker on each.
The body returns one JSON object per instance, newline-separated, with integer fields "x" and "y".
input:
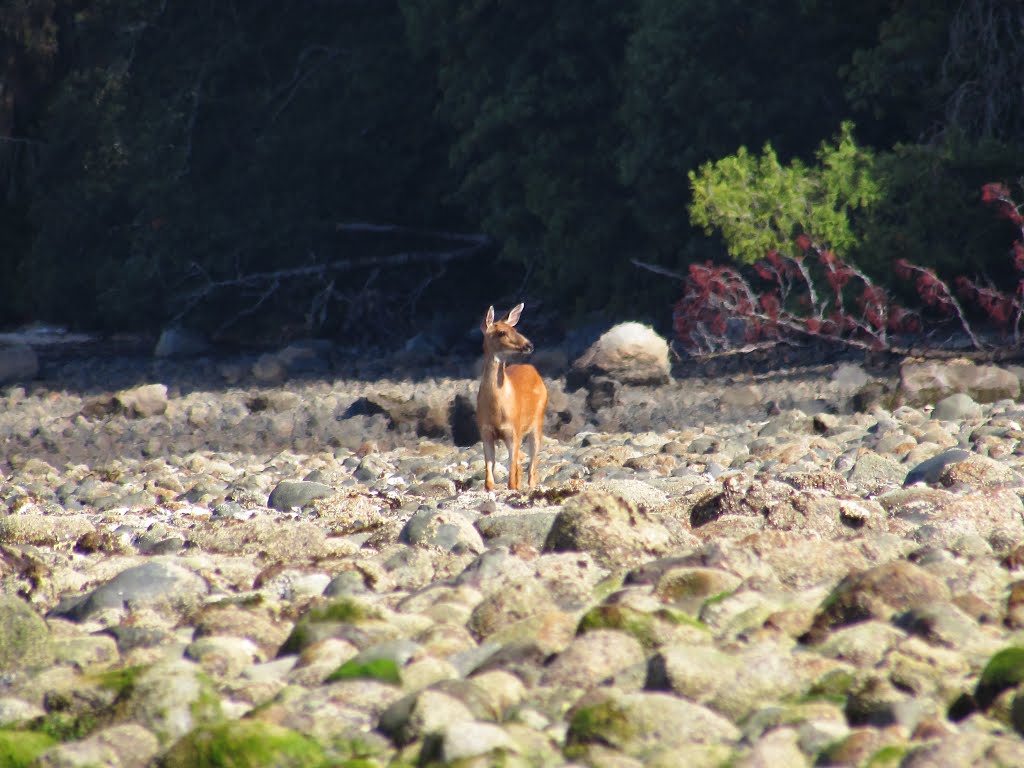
{"x": 511, "y": 401}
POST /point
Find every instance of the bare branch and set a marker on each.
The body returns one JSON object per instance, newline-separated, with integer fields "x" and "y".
{"x": 265, "y": 284}
{"x": 656, "y": 269}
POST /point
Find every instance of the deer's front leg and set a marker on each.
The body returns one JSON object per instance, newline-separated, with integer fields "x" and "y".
{"x": 514, "y": 469}
{"x": 488, "y": 462}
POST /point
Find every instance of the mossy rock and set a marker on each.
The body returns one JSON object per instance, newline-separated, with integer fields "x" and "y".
{"x": 1004, "y": 670}
{"x": 887, "y": 757}
{"x": 25, "y": 639}
{"x": 833, "y": 686}
{"x": 324, "y": 621}
{"x": 244, "y": 744}
{"x": 652, "y": 628}
{"x": 19, "y": 749}
{"x": 65, "y": 726}
{"x": 121, "y": 680}
{"x": 602, "y": 723}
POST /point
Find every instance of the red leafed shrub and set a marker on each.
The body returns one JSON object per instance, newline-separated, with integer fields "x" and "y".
{"x": 721, "y": 308}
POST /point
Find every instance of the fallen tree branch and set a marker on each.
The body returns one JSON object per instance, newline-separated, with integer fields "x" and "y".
{"x": 264, "y": 284}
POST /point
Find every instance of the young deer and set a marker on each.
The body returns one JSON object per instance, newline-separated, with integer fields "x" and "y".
{"x": 511, "y": 400}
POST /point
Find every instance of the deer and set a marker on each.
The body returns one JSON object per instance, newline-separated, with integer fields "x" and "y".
{"x": 511, "y": 401}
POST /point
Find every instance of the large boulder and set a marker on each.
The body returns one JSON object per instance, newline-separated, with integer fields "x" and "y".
{"x": 143, "y": 401}
{"x": 928, "y": 381}
{"x": 158, "y": 584}
{"x": 614, "y": 530}
{"x": 629, "y": 353}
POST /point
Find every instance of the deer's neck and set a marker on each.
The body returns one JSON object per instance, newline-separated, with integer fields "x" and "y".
{"x": 494, "y": 372}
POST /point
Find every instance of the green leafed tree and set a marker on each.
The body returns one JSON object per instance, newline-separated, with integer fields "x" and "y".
{"x": 758, "y": 204}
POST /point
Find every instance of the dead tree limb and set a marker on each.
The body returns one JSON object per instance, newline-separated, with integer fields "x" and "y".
{"x": 264, "y": 284}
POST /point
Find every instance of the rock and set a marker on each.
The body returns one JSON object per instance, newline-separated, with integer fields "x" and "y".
{"x": 629, "y": 353}
{"x": 978, "y": 472}
{"x": 848, "y": 375}
{"x": 924, "y": 382}
{"x": 177, "y": 342}
{"x": 170, "y": 699}
{"x": 639, "y": 723}
{"x": 466, "y": 740}
{"x": 593, "y": 658}
{"x": 602, "y": 392}
{"x": 422, "y": 714}
{"x": 616, "y": 532}
{"x": 956, "y": 407}
{"x": 252, "y": 741}
{"x": 25, "y": 639}
{"x": 161, "y": 585}
{"x": 873, "y": 471}
{"x": 18, "y": 362}
{"x": 291, "y": 495}
{"x": 450, "y": 531}
{"x": 734, "y": 685}
{"x": 878, "y": 592}
{"x": 125, "y": 746}
{"x": 143, "y": 401}
{"x": 930, "y": 470}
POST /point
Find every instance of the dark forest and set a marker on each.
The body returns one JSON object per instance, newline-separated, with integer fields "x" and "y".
{"x": 360, "y": 168}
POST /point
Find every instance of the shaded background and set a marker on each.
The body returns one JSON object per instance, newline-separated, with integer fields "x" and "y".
{"x": 362, "y": 169}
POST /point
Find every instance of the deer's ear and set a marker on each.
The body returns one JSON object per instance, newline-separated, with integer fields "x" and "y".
{"x": 488, "y": 320}
{"x": 513, "y": 314}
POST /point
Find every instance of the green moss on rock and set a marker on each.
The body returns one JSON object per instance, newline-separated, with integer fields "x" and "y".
{"x": 316, "y": 623}
{"x": 650, "y": 628}
{"x": 244, "y": 744}
{"x": 600, "y": 723}
{"x": 1004, "y": 670}
{"x": 19, "y": 749}
{"x": 383, "y": 670}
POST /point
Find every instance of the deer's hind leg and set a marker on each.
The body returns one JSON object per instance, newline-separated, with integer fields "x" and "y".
{"x": 533, "y": 441}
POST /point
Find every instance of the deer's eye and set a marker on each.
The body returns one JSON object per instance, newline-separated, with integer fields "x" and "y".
{"x": 501, "y": 333}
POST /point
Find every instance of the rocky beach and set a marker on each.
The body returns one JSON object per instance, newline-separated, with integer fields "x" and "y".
{"x": 289, "y": 559}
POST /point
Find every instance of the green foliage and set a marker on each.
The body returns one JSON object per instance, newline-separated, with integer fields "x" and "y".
{"x": 244, "y": 744}
{"x": 383, "y": 670}
{"x": 704, "y": 78}
{"x": 19, "y": 749}
{"x": 760, "y": 205}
